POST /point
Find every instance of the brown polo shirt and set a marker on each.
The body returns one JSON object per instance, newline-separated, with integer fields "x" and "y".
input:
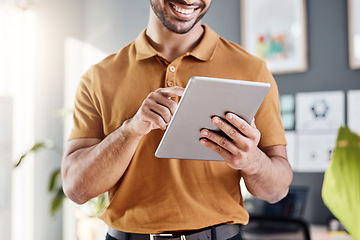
{"x": 156, "y": 195}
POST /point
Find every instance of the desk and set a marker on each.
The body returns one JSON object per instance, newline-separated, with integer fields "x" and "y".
{"x": 320, "y": 232}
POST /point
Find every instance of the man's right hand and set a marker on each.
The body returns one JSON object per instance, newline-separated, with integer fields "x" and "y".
{"x": 92, "y": 166}
{"x": 156, "y": 110}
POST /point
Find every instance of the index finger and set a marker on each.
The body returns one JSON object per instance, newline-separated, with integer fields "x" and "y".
{"x": 241, "y": 125}
{"x": 175, "y": 91}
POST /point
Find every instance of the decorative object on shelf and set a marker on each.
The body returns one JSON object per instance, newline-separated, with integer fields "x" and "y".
{"x": 276, "y": 32}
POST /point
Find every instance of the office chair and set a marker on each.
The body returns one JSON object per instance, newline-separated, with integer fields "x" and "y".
{"x": 282, "y": 220}
{"x": 275, "y": 228}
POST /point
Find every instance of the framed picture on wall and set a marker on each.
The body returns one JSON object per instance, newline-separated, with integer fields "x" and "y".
{"x": 276, "y": 32}
{"x": 354, "y": 33}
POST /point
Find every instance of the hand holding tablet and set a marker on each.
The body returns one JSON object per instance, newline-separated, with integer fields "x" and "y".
{"x": 203, "y": 99}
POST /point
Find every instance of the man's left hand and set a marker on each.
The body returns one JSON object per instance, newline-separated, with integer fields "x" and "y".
{"x": 241, "y": 150}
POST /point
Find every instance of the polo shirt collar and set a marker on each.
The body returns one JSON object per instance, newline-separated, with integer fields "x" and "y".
{"x": 204, "y": 51}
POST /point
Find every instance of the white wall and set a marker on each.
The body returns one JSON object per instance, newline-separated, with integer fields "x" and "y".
{"x": 57, "y": 20}
{"x": 34, "y": 73}
{"x": 111, "y": 24}
{"x": 6, "y": 109}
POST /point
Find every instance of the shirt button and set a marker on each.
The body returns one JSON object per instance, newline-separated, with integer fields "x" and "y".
{"x": 170, "y": 84}
{"x": 172, "y": 69}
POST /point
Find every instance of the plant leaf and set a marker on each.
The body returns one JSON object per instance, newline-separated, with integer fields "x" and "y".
{"x": 54, "y": 178}
{"x": 34, "y": 148}
{"x": 341, "y": 186}
{"x": 57, "y": 201}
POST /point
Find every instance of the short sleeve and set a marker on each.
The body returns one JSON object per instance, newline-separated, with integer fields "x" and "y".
{"x": 87, "y": 120}
{"x": 268, "y": 118}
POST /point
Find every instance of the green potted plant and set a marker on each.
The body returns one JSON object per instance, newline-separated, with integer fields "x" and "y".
{"x": 54, "y": 186}
{"x": 341, "y": 186}
{"x": 96, "y": 205}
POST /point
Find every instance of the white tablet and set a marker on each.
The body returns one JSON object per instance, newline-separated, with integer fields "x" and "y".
{"x": 204, "y": 98}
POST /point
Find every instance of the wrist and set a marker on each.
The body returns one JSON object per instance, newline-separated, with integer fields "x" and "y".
{"x": 257, "y": 164}
{"x": 129, "y": 131}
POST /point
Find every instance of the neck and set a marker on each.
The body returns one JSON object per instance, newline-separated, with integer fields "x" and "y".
{"x": 172, "y": 45}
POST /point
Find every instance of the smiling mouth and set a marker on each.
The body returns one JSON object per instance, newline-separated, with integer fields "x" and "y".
{"x": 185, "y": 11}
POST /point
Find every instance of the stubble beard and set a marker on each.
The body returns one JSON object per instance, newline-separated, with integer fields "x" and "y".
{"x": 165, "y": 20}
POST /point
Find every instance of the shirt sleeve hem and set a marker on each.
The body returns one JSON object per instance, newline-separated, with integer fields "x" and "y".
{"x": 85, "y": 134}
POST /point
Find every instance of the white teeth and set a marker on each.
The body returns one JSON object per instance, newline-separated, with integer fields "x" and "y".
{"x": 182, "y": 10}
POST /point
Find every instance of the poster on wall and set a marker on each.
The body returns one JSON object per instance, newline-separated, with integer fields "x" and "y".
{"x": 320, "y": 111}
{"x": 314, "y": 151}
{"x": 354, "y": 33}
{"x": 287, "y": 106}
{"x": 291, "y": 147}
{"x": 353, "y": 113}
{"x": 276, "y": 32}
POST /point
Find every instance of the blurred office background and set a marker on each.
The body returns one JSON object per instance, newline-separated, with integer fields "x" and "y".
{"x": 45, "y": 46}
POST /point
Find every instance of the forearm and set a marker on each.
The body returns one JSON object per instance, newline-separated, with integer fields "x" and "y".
{"x": 92, "y": 167}
{"x": 270, "y": 178}
{"x": 88, "y": 172}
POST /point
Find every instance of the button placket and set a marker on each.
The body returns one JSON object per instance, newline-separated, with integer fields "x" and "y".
{"x": 170, "y": 76}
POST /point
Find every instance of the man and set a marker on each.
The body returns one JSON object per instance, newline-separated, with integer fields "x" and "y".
{"x": 122, "y": 107}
